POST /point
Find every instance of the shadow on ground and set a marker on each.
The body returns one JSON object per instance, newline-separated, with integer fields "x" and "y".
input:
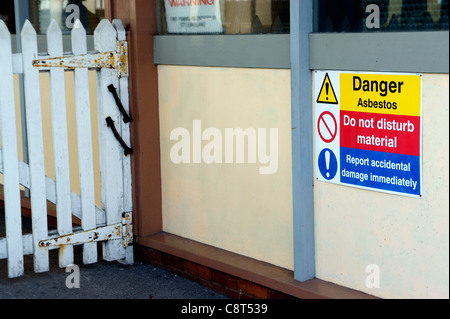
{"x": 103, "y": 280}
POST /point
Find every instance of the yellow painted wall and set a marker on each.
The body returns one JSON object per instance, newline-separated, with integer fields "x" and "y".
{"x": 235, "y": 208}
{"x": 408, "y": 238}
{"x": 230, "y": 206}
{"x": 71, "y": 122}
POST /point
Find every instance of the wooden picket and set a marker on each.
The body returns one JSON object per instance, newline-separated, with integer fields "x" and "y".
{"x": 112, "y": 221}
{"x": 60, "y": 142}
{"x": 110, "y": 151}
{"x": 126, "y": 136}
{"x": 35, "y": 147}
{"x": 85, "y": 157}
{"x": 11, "y": 187}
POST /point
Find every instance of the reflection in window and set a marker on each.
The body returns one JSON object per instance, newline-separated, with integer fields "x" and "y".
{"x": 224, "y": 16}
{"x": 62, "y": 11}
{"x": 7, "y": 14}
{"x": 394, "y": 15}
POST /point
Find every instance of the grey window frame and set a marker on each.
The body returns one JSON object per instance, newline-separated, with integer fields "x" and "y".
{"x": 421, "y": 51}
{"x": 241, "y": 51}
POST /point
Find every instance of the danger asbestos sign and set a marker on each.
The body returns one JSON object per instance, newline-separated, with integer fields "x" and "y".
{"x": 369, "y": 130}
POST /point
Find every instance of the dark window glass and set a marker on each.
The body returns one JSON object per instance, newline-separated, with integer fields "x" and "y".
{"x": 90, "y": 12}
{"x": 394, "y": 15}
{"x": 224, "y": 16}
{"x": 7, "y": 14}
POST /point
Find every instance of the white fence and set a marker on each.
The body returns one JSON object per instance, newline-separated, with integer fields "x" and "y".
{"x": 112, "y": 220}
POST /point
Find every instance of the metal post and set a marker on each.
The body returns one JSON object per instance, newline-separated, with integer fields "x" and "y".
{"x": 302, "y": 140}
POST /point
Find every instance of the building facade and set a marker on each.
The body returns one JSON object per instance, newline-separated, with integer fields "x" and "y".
{"x": 229, "y": 182}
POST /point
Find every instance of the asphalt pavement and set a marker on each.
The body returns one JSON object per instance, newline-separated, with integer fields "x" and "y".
{"x": 103, "y": 280}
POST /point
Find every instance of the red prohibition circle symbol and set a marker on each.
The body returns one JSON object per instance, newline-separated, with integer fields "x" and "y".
{"x": 327, "y": 131}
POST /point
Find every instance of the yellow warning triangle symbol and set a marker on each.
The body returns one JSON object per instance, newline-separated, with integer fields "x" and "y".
{"x": 327, "y": 94}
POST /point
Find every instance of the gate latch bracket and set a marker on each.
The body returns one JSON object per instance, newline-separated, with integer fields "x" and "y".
{"x": 112, "y": 60}
{"x": 123, "y": 230}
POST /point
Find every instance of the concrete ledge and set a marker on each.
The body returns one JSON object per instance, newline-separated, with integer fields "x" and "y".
{"x": 245, "y": 275}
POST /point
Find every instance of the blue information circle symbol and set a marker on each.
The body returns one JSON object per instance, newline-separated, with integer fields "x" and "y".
{"x": 328, "y": 164}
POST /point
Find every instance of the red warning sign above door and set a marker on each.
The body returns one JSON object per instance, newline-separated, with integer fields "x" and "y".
{"x": 327, "y": 94}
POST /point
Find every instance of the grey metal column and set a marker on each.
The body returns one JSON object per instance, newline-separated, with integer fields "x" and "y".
{"x": 302, "y": 140}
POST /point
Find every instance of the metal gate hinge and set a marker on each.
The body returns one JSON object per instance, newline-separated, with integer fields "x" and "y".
{"x": 123, "y": 230}
{"x": 112, "y": 60}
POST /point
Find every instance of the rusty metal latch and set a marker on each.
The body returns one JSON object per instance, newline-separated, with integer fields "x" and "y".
{"x": 123, "y": 230}
{"x": 126, "y": 149}
{"x": 125, "y": 117}
{"x": 112, "y": 60}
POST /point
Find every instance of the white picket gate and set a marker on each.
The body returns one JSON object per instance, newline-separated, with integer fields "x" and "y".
{"x": 112, "y": 222}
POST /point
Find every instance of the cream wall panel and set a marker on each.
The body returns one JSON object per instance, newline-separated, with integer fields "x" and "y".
{"x": 230, "y": 206}
{"x": 408, "y": 238}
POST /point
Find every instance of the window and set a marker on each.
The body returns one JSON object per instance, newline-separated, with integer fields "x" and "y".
{"x": 224, "y": 16}
{"x": 223, "y": 33}
{"x": 392, "y": 15}
{"x": 90, "y": 12}
{"x": 7, "y": 15}
{"x": 375, "y": 35}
